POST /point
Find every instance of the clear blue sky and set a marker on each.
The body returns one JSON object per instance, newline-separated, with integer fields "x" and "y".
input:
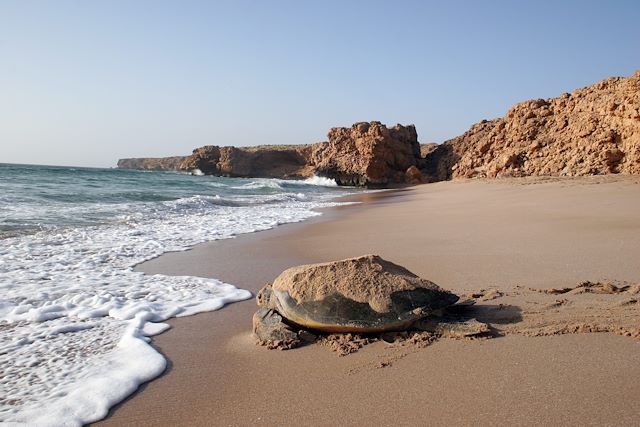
{"x": 88, "y": 82}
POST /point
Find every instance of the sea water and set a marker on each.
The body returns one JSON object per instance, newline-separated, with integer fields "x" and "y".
{"x": 75, "y": 319}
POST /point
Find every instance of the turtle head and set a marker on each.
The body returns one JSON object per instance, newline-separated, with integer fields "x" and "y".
{"x": 263, "y": 299}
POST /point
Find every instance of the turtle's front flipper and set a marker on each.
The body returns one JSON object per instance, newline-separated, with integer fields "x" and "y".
{"x": 263, "y": 299}
{"x": 451, "y": 327}
{"x": 272, "y": 332}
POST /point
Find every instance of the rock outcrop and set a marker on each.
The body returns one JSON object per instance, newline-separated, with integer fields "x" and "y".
{"x": 267, "y": 161}
{"x": 152, "y": 163}
{"x": 594, "y": 130}
{"x": 368, "y": 154}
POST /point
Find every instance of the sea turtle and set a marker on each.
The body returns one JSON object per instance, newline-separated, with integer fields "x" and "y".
{"x": 365, "y": 295}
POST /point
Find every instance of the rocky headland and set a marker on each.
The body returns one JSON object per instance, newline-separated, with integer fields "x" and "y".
{"x": 592, "y": 131}
{"x": 152, "y": 163}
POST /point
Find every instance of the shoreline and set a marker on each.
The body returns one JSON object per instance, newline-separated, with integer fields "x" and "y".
{"x": 218, "y": 376}
{"x": 353, "y": 202}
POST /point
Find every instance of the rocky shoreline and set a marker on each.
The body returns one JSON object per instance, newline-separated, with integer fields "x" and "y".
{"x": 366, "y": 154}
{"x": 592, "y": 131}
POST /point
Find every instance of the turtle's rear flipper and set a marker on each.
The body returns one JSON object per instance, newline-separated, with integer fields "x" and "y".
{"x": 272, "y": 332}
{"x": 453, "y": 328}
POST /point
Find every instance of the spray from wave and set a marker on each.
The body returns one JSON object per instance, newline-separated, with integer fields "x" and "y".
{"x": 321, "y": 181}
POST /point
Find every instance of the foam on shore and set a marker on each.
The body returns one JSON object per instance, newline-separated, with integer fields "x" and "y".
{"x": 76, "y": 318}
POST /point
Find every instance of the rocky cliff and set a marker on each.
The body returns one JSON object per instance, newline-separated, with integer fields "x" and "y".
{"x": 594, "y": 130}
{"x": 152, "y": 163}
{"x": 266, "y": 161}
{"x": 366, "y": 154}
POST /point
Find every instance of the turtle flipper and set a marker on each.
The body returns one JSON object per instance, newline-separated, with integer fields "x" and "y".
{"x": 272, "y": 332}
{"x": 452, "y": 327}
{"x": 263, "y": 298}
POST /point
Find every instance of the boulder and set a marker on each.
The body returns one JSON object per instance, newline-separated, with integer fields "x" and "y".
{"x": 414, "y": 176}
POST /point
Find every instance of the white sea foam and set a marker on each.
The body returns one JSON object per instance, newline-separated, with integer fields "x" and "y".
{"x": 255, "y": 184}
{"x": 321, "y": 181}
{"x": 279, "y": 184}
{"x": 75, "y": 318}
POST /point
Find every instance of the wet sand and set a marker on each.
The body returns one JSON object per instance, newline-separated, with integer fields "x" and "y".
{"x": 514, "y": 236}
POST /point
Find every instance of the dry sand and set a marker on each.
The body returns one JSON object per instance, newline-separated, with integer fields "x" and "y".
{"x": 503, "y": 243}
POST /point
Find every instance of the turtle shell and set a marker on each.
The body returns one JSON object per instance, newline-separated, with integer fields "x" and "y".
{"x": 365, "y": 294}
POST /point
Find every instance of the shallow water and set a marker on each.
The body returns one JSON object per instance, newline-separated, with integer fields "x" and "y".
{"x": 75, "y": 317}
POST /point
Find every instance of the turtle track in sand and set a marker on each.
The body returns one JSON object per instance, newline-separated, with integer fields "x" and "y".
{"x": 588, "y": 307}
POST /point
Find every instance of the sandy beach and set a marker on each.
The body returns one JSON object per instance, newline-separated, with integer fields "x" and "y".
{"x": 501, "y": 242}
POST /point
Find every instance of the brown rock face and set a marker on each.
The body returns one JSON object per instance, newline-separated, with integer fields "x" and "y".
{"x": 594, "y": 130}
{"x": 261, "y": 161}
{"x": 368, "y": 154}
{"x": 204, "y": 158}
{"x": 428, "y": 148}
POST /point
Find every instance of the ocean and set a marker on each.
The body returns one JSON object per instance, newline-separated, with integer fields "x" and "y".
{"x": 75, "y": 319}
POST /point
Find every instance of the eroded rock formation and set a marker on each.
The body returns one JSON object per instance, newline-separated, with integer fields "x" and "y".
{"x": 268, "y": 161}
{"x": 368, "y": 154}
{"x": 594, "y": 130}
